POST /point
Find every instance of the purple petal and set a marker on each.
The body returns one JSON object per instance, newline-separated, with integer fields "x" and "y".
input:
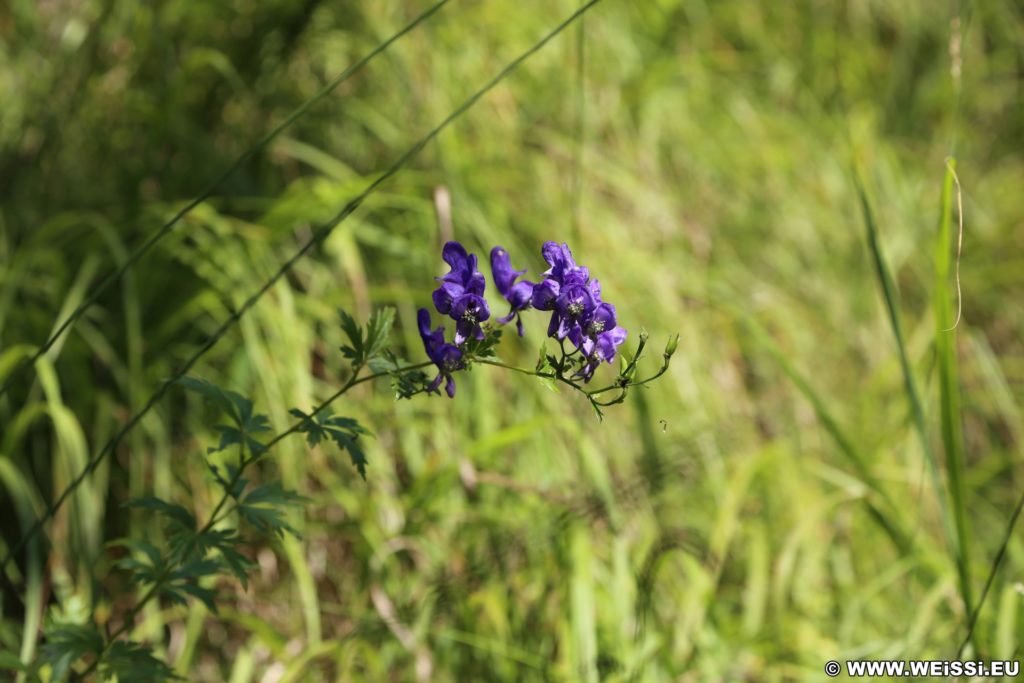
{"x": 502, "y": 271}
{"x": 587, "y": 371}
{"x": 423, "y": 318}
{"x": 575, "y": 295}
{"x": 473, "y": 304}
{"x": 604, "y": 318}
{"x": 464, "y": 329}
{"x": 552, "y": 253}
{"x": 575, "y": 277}
{"x": 476, "y": 283}
{"x": 564, "y": 325}
{"x": 451, "y": 357}
{"x": 609, "y": 341}
{"x": 432, "y": 340}
{"x": 449, "y": 386}
{"x": 444, "y": 298}
{"x": 575, "y": 336}
{"x": 454, "y": 254}
{"x": 520, "y": 295}
{"x": 544, "y": 295}
{"x": 554, "y": 324}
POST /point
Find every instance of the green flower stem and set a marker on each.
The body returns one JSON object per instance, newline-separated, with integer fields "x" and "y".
{"x": 589, "y": 393}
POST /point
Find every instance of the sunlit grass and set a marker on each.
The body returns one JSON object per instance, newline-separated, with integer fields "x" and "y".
{"x": 766, "y": 507}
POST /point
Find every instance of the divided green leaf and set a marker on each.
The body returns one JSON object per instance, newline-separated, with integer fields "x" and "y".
{"x": 365, "y": 346}
{"x": 146, "y": 564}
{"x": 483, "y": 348}
{"x": 353, "y": 351}
{"x": 66, "y": 644}
{"x": 128, "y": 660}
{"x": 344, "y": 431}
{"x": 408, "y": 383}
{"x": 180, "y": 527}
{"x": 264, "y": 508}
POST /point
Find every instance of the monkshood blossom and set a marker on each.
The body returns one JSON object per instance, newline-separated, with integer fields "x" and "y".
{"x": 518, "y": 294}
{"x": 460, "y": 295}
{"x": 447, "y": 357}
{"x": 578, "y": 314}
{"x": 567, "y": 291}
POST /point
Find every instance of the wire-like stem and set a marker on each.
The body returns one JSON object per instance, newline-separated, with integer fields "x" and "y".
{"x": 577, "y": 152}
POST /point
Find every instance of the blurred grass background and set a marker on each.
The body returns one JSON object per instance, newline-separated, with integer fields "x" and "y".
{"x": 763, "y": 508}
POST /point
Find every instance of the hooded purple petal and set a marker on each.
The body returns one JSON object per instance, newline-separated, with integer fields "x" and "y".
{"x": 609, "y": 342}
{"x": 460, "y": 295}
{"x": 558, "y": 257}
{"x": 544, "y": 295}
{"x": 446, "y": 357}
{"x": 502, "y": 271}
{"x": 454, "y": 254}
{"x": 520, "y": 295}
{"x": 602, "y": 319}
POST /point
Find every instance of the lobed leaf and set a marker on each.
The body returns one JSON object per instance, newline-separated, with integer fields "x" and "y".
{"x": 176, "y": 515}
{"x": 147, "y": 568}
{"x": 353, "y": 351}
{"x": 66, "y": 644}
{"x": 483, "y": 348}
{"x": 263, "y": 507}
{"x": 377, "y": 332}
{"x": 128, "y": 660}
{"x": 367, "y": 345}
{"x": 355, "y": 451}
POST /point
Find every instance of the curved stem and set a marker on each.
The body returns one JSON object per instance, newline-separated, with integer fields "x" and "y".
{"x": 567, "y": 356}
{"x": 524, "y": 371}
{"x": 532, "y": 373}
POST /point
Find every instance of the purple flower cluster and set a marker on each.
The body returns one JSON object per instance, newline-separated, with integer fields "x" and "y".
{"x": 577, "y": 312}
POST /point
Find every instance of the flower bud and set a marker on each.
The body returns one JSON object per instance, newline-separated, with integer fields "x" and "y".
{"x": 671, "y": 346}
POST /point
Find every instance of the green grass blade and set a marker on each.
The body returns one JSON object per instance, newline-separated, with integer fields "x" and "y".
{"x": 949, "y": 388}
{"x": 910, "y": 386}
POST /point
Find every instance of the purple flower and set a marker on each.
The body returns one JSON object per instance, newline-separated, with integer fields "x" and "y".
{"x": 518, "y": 294}
{"x": 567, "y": 291}
{"x": 460, "y": 295}
{"x": 585, "y": 336}
{"x": 447, "y": 357}
{"x": 577, "y": 312}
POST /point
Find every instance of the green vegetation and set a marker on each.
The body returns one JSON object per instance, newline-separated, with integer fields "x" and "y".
{"x": 829, "y": 469}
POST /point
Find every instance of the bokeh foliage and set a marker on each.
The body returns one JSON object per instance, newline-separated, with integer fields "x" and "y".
{"x": 728, "y": 523}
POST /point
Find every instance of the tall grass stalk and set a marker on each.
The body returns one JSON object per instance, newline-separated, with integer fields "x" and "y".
{"x": 956, "y": 537}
